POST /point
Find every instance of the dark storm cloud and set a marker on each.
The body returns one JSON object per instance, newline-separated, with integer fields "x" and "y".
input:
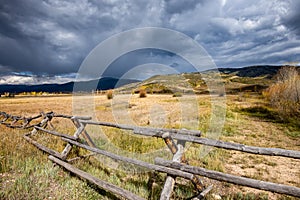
{"x": 139, "y": 57}
{"x": 32, "y": 40}
{"x": 251, "y": 32}
{"x": 293, "y": 19}
{"x": 52, "y": 37}
{"x": 174, "y": 6}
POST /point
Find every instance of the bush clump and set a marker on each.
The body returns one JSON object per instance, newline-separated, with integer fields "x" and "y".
{"x": 284, "y": 95}
{"x": 142, "y": 93}
{"x": 109, "y": 94}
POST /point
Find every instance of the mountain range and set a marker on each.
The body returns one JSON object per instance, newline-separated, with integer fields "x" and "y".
{"x": 104, "y": 83}
{"x": 265, "y": 71}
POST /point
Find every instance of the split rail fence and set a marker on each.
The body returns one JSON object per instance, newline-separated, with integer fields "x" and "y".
{"x": 175, "y": 139}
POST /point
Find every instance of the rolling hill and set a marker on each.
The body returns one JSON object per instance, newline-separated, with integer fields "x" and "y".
{"x": 252, "y": 78}
{"x": 267, "y": 71}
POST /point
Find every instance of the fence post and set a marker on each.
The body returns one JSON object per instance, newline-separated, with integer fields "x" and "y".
{"x": 86, "y": 136}
{"x": 68, "y": 148}
{"x": 42, "y": 124}
{"x": 178, "y": 155}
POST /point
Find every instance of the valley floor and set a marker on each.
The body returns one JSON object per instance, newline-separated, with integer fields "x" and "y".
{"x": 25, "y": 173}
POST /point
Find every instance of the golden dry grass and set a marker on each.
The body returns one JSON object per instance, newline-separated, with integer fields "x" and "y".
{"x": 156, "y": 111}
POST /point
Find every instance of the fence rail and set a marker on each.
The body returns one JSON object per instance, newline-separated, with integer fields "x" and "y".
{"x": 263, "y": 185}
{"x": 175, "y": 140}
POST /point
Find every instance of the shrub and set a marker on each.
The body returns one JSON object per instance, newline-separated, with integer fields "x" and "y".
{"x": 143, "y": 93}
{"x": 284, "y": 95}
{"x": 109, "y": 94}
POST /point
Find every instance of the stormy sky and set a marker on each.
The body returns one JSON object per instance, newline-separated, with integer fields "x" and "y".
{"x": 44, "y": 41}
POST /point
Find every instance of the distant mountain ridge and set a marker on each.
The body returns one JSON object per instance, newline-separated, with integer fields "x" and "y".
{"x": 104, "y": 83}
{"x": 253, "y": 71}
{"x": 265, "y": 71}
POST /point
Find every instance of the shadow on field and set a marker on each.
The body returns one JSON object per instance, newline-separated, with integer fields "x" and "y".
{"x": 263, "y": 113}
{"x": 292, "y": 124}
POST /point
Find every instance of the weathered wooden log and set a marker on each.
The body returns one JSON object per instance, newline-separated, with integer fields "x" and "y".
{"x": 34, "y": 117}
{"x": 68, "y": 147}
{"x": 168, "y": 188}
{"x": 170, "y": 143}
{"x": 12, "y": 124}
{"x": 71, "y": 116}
{"x": 183, "y": 158}
{"x": 170, "y": 180}
{"x": 153, "y": 132}
{"x": 42, "y": 147}
{"x": 148, "y": 131}
{"x": 86, "y": 136}
{"x": 31, "y": 126}
{"x": 262, "y": 185}
{"x": 178, "y": 134}
{"x": 61, "y": 115}
{"x": 82, "y": 117}
{"x": 56, "y": 133}
{"x": 133, "y": 161}
{"x": 240, "y": 147}
{"x": 175, "y": 131}
{"x": 43, "y": 123}
{"x": 5, "y": 117}
{"x": 197, "y": 182}
{"x": 203, "y": 193}
{"x": 102, "y": 184}
{"x": 108, "y": 124}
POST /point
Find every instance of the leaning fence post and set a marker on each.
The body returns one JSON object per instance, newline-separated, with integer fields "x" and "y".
{"x": 177, "y": 151}
{"x": 86, "y": 136}
{"x": 203, "y": 193}
{"x": 43, "y": 123}
{"x": 178, "y": 156}
{"x": 68, "y": 148}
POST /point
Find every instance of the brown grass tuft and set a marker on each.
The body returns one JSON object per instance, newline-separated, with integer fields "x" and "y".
{"x": 109, "y": 94}
{"x": 284, "y": 95}
{"x": 143, "y": 93}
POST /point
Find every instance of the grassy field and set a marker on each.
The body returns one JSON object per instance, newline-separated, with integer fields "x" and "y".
{"x": 26, "y": 173}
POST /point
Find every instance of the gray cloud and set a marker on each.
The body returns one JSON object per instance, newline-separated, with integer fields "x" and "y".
{"x": 142, "y": 58}
{"x": 251, "y": 32}
{"x": 31, "y": 79}
{"x": 292, "y": 20}
{"x": 174, "y": 6}
{"x": 52, "y": 37}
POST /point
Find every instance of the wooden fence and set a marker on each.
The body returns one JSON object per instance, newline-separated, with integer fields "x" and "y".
{"x": 175, "y": 139}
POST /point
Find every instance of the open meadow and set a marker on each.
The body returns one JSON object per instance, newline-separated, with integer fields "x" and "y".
{"x": 150, "y": 100}
{"x": 26, "y": 173}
